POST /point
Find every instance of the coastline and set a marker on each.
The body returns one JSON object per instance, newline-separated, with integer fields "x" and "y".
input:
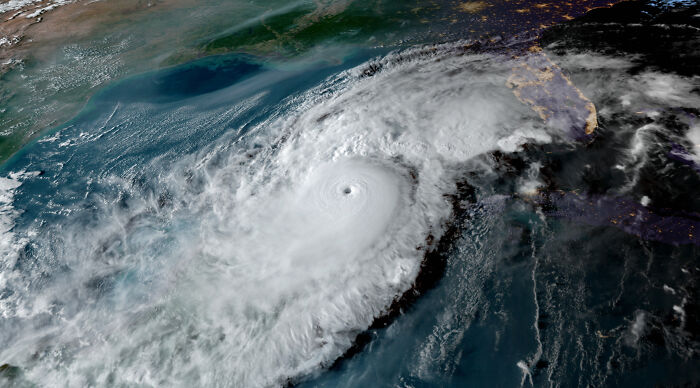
{"x": 78, "y": 47}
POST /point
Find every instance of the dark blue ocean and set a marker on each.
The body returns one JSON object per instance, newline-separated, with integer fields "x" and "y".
{"x": 103, "y": 218}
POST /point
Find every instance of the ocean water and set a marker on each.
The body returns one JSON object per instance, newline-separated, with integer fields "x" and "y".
{"x": 84, "y": 193}
{"x": 56, "y": 65}
{"x": 392, "y": 218}
{"x": 227, "y": 177}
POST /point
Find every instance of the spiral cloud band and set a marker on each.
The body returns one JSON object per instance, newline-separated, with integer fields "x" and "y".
{"x": 263, "y": 257}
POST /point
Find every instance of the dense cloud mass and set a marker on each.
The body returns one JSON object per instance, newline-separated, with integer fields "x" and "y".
{"x": 263, "y": 253}
{"x": 303, "y": 231}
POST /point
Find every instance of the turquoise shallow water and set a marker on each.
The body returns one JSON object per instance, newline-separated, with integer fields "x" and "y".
{"x": 229, "y": 222}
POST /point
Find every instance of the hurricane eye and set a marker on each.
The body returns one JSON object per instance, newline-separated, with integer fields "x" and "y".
{"x": 347, "y": 190}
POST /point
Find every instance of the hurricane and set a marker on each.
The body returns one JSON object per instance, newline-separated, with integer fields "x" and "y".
{"x": 400, "y": 214}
